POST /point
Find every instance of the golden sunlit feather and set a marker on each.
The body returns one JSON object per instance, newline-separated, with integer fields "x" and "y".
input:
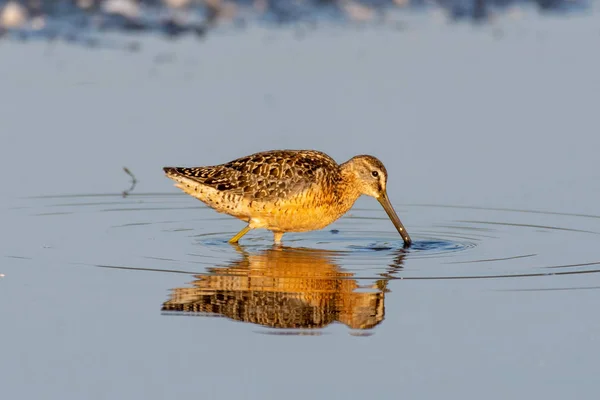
{"x": 286, "y": 190}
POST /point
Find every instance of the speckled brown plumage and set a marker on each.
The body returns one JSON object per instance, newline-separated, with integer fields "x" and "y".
{"x": 266, "y": 176}
{"x": 286, "y": 190}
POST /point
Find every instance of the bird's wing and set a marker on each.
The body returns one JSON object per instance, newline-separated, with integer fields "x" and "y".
{"x": 263, "y": 176}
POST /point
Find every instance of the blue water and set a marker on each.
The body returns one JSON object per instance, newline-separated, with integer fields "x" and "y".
{"x": 490, "y": 141}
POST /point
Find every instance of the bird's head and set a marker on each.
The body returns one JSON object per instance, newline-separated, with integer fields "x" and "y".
{"x": 370, "y": 178}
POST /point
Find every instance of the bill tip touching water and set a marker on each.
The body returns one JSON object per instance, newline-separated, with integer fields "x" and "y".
{"x": 287, "y": 190}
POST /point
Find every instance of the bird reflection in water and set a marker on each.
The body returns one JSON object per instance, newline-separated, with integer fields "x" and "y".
{"x": 286, "y": 288}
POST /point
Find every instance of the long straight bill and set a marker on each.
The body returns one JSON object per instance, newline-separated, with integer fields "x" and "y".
{"x": 387, "y": 206}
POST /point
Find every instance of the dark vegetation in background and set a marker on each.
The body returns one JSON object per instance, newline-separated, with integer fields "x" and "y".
{"x": 75, "y": 20}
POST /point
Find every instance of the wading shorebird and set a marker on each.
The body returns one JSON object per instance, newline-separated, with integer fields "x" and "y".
{"x": 287, "y": 190}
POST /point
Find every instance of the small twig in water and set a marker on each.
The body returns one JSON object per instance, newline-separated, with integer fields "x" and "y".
{"x": 133, "y": 182}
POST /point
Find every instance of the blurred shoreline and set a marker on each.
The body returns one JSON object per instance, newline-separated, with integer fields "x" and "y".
{"x": 84, "y": 21}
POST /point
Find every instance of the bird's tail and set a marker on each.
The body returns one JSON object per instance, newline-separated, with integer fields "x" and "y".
{"x": 183, "y": 180}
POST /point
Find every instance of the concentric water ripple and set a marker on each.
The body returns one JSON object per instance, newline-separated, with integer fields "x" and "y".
{"x": 450, "y": 242}
{"x": 337, "y": 275}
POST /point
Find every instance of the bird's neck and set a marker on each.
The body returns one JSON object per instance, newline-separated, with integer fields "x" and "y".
{"x": 347, "y": 190}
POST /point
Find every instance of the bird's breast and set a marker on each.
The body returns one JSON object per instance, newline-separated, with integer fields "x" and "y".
{"x": 298, "y": 215}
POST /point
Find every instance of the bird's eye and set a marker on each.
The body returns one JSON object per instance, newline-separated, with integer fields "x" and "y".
{"x": 375, "y": 174}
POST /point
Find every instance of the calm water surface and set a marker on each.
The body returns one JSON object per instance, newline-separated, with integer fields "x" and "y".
{"x": 493, "y": 171}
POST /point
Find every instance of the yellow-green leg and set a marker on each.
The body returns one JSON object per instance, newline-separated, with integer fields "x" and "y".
{"x": 239, "y": 235}
{"x": 277, "y": 237}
